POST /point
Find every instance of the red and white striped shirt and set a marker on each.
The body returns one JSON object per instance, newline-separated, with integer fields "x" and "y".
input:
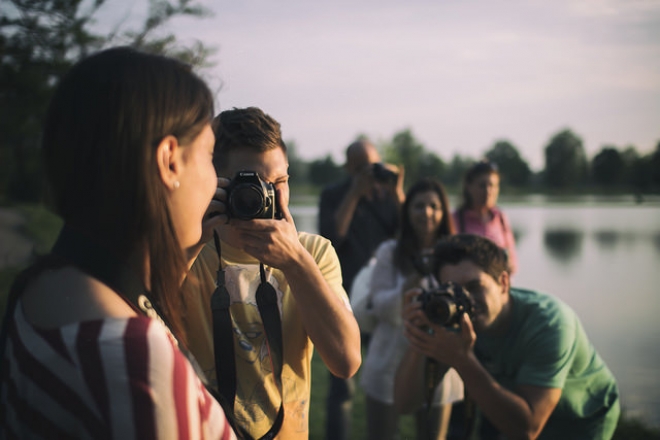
{"x": 112, "y": 378}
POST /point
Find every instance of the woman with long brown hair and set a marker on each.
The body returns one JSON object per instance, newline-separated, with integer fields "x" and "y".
{"x": 94, "y": 345}
{"x": 403, "y": 264}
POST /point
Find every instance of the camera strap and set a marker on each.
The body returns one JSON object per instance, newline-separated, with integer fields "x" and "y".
{"x": 431, "y": 380}
{"x": 223, "y": 338}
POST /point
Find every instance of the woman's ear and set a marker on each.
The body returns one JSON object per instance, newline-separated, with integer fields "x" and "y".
{"x": 505, "y": 281}
{"x": 168, "y": 158}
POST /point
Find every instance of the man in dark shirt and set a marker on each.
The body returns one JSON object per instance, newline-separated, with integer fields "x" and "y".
{"x": 357, "y": 215}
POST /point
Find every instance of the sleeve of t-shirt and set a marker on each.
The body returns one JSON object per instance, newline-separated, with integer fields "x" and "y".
{"x": 385, "y": 288}
{"x": 326, "y": 259}
{"x": 549, "y": 351}
{"x": 167, "y": 398}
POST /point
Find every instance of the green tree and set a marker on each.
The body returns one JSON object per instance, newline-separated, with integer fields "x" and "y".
{"x": 629, "y": 156}
{"x": 457, "y": 169}
{"x": 635, "y": 173}
{"x": 565, "y": 161}
{"x": 654, "y": 167}
{"x": 406, "y": 150}
{"x": 325, "y": 171}
{"x": 298, "y": 168}
{"x": 608, "y": 167}
{"x": 514, "y": 170}
{"x": 432, "y": 165}
{"x": 39, "y": 41}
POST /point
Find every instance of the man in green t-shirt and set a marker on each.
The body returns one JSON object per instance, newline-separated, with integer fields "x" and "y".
{"x": 523, "y": 356}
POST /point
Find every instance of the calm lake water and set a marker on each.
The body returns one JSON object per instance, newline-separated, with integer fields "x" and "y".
{"x": 602, "y": 257}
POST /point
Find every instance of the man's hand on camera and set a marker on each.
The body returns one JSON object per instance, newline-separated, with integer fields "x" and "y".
{"x": 397, "y": 190}
{"x": 216, "y": 214}
{"x": 272, "y": 242}
{"x": 445, "y": 345}
{"x": 363, "y": 182}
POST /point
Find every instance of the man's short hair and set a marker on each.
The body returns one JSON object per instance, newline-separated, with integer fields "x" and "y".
{"x": 359, "y": 143}
{"x": 479, "y": 250}
{"x": 245, "y": 128}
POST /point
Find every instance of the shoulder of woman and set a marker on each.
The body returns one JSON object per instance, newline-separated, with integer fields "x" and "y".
{"x": 67, "y": 295}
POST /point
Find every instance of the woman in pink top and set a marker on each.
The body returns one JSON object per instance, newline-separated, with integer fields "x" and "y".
{"x": 479, "y": 214}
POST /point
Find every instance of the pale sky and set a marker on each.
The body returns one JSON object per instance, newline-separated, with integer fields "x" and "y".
{"x": 459, "y": 74}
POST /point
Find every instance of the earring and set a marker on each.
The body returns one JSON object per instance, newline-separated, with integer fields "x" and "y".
{"x": 176, "y": 184}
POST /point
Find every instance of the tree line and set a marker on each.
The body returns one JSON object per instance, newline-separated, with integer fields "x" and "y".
{"x": 566, "y": 168}
{"x": 41, "y": 39}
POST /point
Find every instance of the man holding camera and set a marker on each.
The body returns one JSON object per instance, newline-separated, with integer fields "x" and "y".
{"x": 259, "y": 249}
{"x": 357, "y": 215}
{"x": 524, "y": 357}
{"x": 362, "y": 211}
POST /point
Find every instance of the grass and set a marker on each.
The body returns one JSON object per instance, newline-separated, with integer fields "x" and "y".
{"x": 359, "y": 419}
{"x": 42, "y": 227}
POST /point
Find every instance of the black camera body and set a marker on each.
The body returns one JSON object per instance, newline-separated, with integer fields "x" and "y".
{"x": 250, "y": 197}
{"x": 383, "y": 174}
{"x": 446, "y": 304}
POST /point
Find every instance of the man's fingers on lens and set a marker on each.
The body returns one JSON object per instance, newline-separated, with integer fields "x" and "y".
{"x": 220, "y": 195}
{"x": 223, "y": 182}
{"x": 216, "y": 207}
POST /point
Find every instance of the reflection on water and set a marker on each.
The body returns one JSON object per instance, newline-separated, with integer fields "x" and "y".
{"x": 607, "y": 240}
{"x": 564, "y": 245}
{"x": 602, "y": 259}
{"x": 656, "y": 241}
{"x": 518, "y": 234}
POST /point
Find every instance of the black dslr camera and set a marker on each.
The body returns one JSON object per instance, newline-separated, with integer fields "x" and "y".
{"x": 249, "y": 197}
{"x": 383, "y": 174}
{"x": 446, "y": 304}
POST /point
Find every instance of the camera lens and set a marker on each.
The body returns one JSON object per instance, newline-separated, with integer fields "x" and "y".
{"x": 442, "y": 311}
{"x": 246, "y": 201}
{"x": 446, "y": 305}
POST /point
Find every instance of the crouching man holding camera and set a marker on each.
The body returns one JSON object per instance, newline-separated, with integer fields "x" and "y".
{"x": 524, "y": 357}
{"x": 261, "y": 296}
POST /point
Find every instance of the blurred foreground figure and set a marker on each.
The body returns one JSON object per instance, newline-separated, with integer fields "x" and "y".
{"x": 95, "y": 347}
